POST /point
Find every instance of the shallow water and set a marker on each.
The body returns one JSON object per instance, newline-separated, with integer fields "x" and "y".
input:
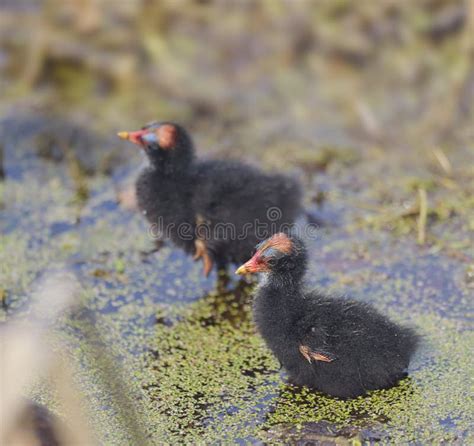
{"x": 194, "y": 366}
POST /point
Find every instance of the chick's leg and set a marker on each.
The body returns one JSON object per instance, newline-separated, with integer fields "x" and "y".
{"x": 202, "y": 252}
{"x": 200, "y": 244}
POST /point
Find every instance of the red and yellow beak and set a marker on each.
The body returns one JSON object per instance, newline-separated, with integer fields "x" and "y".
{"x": 135, "y": 137}
{"x": 254, "y": 265}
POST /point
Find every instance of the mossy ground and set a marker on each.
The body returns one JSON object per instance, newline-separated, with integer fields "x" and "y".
{"x": 192, "y": 362}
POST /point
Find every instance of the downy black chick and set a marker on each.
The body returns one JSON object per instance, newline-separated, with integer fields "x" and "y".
{"x": 340, "y": 347}
{"x": 215, "y": 209}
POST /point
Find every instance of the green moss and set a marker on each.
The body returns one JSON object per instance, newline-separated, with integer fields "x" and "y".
{"x": 214, "y": 381}
{"x": 206, "y": 375}
{"x": 211, "y": 371}
{"x": 418, "y": 409}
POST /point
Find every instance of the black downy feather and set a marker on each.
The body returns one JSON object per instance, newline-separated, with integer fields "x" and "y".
{"x": 239, "y": 204}
{"x": 358, "y": 348}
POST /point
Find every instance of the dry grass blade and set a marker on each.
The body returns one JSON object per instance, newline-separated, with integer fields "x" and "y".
{"x": 443, "y": 161}
{"x": 422, "y": 217}
{"x": 26, "y": 355}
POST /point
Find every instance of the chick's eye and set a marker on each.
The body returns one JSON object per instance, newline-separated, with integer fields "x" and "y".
{"x": 270, "y": 260}
{"x": 150, "y": 138}
{"x": 271, "y": 253}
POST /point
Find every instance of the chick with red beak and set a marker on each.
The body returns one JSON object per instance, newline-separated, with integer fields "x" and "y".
{"x": 135, "y": 137}
{"x": 187, "y": 199}
{"x": 255, "y": 265}
{"x": 267, "y": 253}
{"x": 335, "y": 345}
{"x": 154, "y": 135}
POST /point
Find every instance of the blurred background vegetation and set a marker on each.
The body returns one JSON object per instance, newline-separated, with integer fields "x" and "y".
{"x": 248, "y": 74}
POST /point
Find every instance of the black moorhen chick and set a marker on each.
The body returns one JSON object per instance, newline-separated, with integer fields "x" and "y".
{"x": 216, "y": 209}
{"x": 340, "y": 347}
